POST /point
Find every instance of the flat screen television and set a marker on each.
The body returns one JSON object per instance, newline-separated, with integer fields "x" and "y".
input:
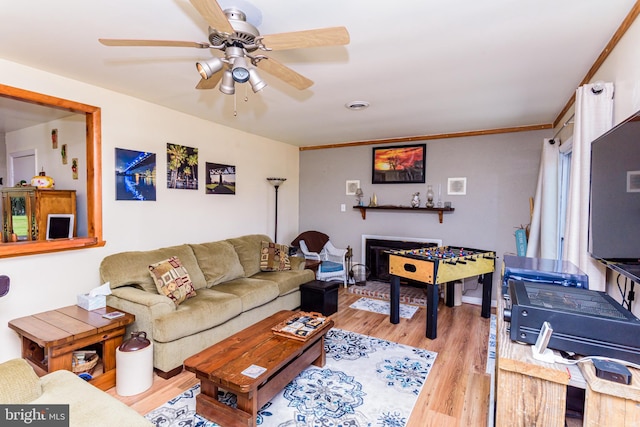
{"x": 60, "y": 226}
{"x": 614, "y": 216}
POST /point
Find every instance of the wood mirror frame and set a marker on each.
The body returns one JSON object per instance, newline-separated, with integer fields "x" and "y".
{"x": 94, "y": 177}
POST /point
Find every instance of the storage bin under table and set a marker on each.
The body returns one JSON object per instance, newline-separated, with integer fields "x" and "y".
{"x": 320, "y": 296}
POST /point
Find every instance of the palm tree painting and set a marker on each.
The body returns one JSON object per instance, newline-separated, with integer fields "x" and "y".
{"x": 221, "y": 179}
{"x": 182, "y": 167}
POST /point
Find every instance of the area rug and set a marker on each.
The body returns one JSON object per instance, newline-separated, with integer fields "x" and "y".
{"x": 491, "y": 368}
{"x": 381, "y": 290}
{"x": 384, "y": 307}
{"x": 491, "y": 346}
{"x": 365, "y": 382}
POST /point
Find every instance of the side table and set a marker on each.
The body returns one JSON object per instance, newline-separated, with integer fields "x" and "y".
{"x": 312, "y": 265}
{"x": 49, "y": 339}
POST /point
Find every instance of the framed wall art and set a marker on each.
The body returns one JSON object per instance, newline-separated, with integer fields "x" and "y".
{"x": 403, "y": 164}
{"x": 457, "y": 186}
{"x": 182, "y": 167}
{"x": 352, "y": 186}
{"x": 135, "y": 175}
{"x": 221, "y": 179}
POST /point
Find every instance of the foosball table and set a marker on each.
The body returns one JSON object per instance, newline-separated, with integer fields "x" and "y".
{"x": 433, "y": 266}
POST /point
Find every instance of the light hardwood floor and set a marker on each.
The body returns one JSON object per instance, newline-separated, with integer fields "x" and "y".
{"x": 456, "y": 392}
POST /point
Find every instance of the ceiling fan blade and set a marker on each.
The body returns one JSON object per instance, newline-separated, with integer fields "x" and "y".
{"x": 211, "y": 82}
{"x": 332, "y": 36}
{"x": 161, "y": 43}
{"x": 213, "y": 14}
{"x": 284, "y": 73}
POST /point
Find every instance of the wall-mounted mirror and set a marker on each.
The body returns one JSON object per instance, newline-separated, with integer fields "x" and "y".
{"x": 45, "y": 113}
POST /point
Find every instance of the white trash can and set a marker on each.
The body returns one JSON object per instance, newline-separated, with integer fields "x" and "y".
{"x": 134, "y": 365}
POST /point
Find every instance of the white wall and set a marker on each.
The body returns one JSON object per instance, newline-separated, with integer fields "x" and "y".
{"x": 43, "y": 282}
{"x": 501, "y": 172}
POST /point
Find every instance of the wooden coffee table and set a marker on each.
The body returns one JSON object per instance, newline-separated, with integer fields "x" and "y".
{"x": 221, "y": 366}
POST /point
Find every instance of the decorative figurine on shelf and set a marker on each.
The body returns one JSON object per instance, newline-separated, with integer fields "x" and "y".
{"x": 54, "y": 138}
{"x": 429, "y": 196}
{"x": 373, "y": 201}
{"x": 42, "y": 180}
{"x": 359, "y": 195}
{"x": 415, "y": 200}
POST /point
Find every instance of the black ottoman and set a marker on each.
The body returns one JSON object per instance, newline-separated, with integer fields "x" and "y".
{"x": 320, "y": 297}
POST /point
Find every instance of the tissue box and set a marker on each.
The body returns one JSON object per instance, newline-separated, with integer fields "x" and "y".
{"x": 92, "y": 303}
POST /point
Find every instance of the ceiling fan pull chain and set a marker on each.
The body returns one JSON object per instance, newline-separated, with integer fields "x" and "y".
{"x": 246, "y": 93}
{"x": 235, "y": 106}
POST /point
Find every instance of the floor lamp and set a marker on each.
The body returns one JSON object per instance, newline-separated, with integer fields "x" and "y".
{"x": 276, "y": 182}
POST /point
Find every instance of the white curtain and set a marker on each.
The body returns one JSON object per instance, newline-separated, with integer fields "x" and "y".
{"x": 543, "y": 233}
{"x": 593, "y": 117}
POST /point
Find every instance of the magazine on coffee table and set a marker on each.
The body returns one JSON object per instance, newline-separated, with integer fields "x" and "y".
{"x": 301, "y": 326}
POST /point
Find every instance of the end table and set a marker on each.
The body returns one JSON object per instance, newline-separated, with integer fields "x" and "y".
{"x": 49, "y": 339}
{"x": 312, "y": 265}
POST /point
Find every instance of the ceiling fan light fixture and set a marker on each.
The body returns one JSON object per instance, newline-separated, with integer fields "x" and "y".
{"x": 227, "y": 85}
{"x": 257, "y": 84}
{"x": 240, "y": 71}
{"x": 209, "y": 67}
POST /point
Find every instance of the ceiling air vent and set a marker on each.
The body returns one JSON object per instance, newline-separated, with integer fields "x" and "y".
{"x": 357, "y": 105}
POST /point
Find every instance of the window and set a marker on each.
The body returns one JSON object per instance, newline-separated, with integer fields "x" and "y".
{"x": 94, "y": 176}
{"x": 564, "y": 173}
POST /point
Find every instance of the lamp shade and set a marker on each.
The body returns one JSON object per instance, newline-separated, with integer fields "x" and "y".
{"x": 240, "y": 71}
{"x": 227, "y": 86}
{"x": 257, "y": 84}
{"x": 276, "y": 182}
{"x": 209, "y": 67}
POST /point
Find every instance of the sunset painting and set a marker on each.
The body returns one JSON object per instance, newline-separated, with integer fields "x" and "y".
{"x": 401, "y": 164}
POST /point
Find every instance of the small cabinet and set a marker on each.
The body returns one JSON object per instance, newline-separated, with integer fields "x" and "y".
{"x": 25, "y": 211}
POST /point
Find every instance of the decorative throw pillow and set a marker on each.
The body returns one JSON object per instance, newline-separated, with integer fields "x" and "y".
{"x": 172, "y": 280}
{"x": 274, "y": 257}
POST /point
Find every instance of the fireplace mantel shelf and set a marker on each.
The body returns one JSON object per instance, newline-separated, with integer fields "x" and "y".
{"x": 440, "y": 211}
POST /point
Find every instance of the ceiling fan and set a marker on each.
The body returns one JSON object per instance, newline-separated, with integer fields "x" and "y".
{"x": 238, "y": 40}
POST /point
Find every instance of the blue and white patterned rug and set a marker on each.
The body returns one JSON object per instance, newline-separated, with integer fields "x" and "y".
{"x": 366, "y": 381}
{"x": 383, "y": 307}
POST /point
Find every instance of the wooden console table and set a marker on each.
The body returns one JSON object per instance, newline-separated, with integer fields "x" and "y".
{"x": 439, "y": 211}
{"x": 534, "y": 393}
{"x": 49, "y": 339}
{"x": 528, "y": 392}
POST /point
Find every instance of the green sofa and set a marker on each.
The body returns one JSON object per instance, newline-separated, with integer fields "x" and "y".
{"x": 88, "y": 405}
{"x": 232, "y": 293}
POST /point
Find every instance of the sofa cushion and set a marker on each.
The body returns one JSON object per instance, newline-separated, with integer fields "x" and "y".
{"x": 172, "y": 280}
{"x": 132, "y": 268}
{"x": 331, "y": 267}
{"x": 248, "y": 249}
{"x": 218, "y": 261}
{"x": 210, "y": 308}
{"x": 252, "y": 292}
{"x": 287, "y": 281}
{"x": 274, "y": 257}
{"x": 19, "y": 383}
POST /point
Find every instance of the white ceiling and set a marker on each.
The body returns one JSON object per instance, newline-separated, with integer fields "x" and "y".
{"x": 426, "y": 66}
